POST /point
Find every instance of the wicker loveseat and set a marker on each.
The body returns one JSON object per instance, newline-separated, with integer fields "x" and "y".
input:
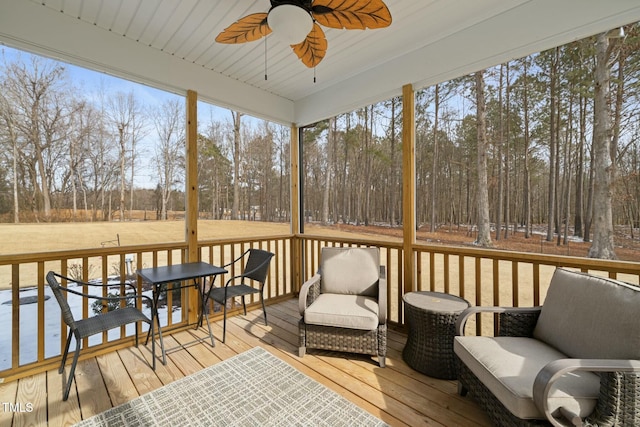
{"x": 344, "y": 306}
{"x": 573, "y": 361}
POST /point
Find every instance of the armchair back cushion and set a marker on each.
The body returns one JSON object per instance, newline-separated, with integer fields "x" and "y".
{"x": 350, "y": 271}
{"x": 585, "y": 316}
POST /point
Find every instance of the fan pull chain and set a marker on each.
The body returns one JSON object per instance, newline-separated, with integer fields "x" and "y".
{"x": 265, "y": 58}
{"x": 314, "y": 74}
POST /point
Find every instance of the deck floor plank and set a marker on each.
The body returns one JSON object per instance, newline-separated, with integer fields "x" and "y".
{"x": 8, "y": 394}
{"x": 143, "y": 377}
{"x": 117, "y": 379}
{"x": 91, "y": 390}
{"x": 396, "y": 394}
{"x": 61, "y": 412}
{"x": 33, "y": 392}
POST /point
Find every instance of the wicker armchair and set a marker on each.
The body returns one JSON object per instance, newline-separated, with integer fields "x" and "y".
{"x": 344, "y": 306}
{"x": 83, "y": 328}
{"x": 573, "y": 361}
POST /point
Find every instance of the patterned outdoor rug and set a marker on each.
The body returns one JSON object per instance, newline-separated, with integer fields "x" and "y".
{"x": 253, "y": 388}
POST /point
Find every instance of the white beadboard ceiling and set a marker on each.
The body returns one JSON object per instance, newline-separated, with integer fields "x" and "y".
{"x": 169, "y": 44}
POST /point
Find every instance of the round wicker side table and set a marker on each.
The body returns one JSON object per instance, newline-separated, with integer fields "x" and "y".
{"x": 431, "y": 317}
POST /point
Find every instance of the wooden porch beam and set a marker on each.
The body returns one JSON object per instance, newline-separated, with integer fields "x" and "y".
{"x": 191, "y": 194}
{"x": 408, "y": 186}
{"x": 294, "y": 173}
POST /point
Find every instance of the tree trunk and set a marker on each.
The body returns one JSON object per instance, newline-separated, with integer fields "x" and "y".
{"x": 331, "y": 136}
{"x": 577, "y": 223}
{"x": 507, "y": 162}
{"x": 602, "y": 245}
{"x": 122, "y": 168}
{"x": 553, "y": 152}
{"x": 527, "y": 177}
{"x": 434, "y": 165}
{"x": 500, "y": 145}
{"x": 394, "y": 167}
{"x": 484, "y": 229}
{"x": 237, "y": 116}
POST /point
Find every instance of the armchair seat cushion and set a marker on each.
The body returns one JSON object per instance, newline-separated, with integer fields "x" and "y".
{"x": 508, "y": 366}
{"x": 343, "y": 311}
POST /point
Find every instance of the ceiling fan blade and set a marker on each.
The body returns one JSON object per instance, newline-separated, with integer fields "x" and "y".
{"x": 250, "y": 28}
{"x": 313, "y": 48}
{"x": 351, "y": 14}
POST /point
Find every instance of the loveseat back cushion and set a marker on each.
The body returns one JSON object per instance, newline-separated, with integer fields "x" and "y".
{"x": 586, "y": 316}
{"x": 350, "y": 271}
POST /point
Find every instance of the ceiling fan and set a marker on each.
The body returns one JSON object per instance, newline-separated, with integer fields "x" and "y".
{"x": 296, "y": 22}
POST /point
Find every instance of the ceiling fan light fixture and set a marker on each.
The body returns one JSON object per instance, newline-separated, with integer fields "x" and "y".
{"x": 290, "y": 23}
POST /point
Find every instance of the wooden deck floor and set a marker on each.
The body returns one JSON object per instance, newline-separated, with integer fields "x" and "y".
{"x": 396, "y": 394}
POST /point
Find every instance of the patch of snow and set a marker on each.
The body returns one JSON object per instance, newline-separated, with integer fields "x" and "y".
{"x": 52, "y": 325}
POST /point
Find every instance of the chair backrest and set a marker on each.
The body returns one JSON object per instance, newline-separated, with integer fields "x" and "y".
{"x": 591, "y": 317}
{"x": 67, "y": 315}
{"x": 257, "y": 265}
{"x": 353, "y": 271}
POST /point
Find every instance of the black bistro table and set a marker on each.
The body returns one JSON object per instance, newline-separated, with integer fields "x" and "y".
{"x": 179, "y": 273}
{"x": 431, "y": 317}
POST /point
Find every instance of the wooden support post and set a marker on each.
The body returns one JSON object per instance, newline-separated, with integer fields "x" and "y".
{"x": 408, "y": 188}
{"x": 296, "y": 241}
{"x": 191, "y": 195}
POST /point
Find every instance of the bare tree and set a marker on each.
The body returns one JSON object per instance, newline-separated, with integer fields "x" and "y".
{"x": 237, "y": 123}
{"x": 602, "y": 245}
{"x": 282, "y": 138}
{"x": 484, "y": 229}
{"x": 331, "y": 141}
{"x": 36, "y": 90}
{"x": 8, "y": 117}
{"x": 169, "y": 150}
{"x": 435, "y": 162}
{"x": 123, "y": 109}
{"x": 527, "y": 171}
{"x": 553, "y": 147}
{"x": 500, "y": 157}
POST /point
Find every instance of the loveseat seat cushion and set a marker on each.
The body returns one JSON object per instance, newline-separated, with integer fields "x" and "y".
{"x": 353, "y": 271}
{"x": 508, "y": 366}
{"x": 590, "y": 317}
{"x": 343, "y": 311}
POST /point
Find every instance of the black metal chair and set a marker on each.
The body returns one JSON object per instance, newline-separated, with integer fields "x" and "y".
{"x": 83, "y": 328}
{"x": 256, "y": 269}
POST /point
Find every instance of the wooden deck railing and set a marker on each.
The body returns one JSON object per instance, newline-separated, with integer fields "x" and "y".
{"x": 483, "y": 277}
{"x": 26, "y": 344}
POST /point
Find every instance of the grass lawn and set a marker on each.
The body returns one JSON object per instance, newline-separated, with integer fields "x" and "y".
{"x": 44, "y": 237}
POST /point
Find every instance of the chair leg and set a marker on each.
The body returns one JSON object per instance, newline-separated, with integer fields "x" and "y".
{"x": 244, "y": 306}
{"x": 382, "y": 361}
{"x": 264, "y": 310}
{"x": 224, "y": 322}
{"x": 72, "y": 371}
{"x": 66, "y": 352}
{"x": 137, "y": 331}
{"x": 153, "y": 345}
{"x": 164, "y": 354}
